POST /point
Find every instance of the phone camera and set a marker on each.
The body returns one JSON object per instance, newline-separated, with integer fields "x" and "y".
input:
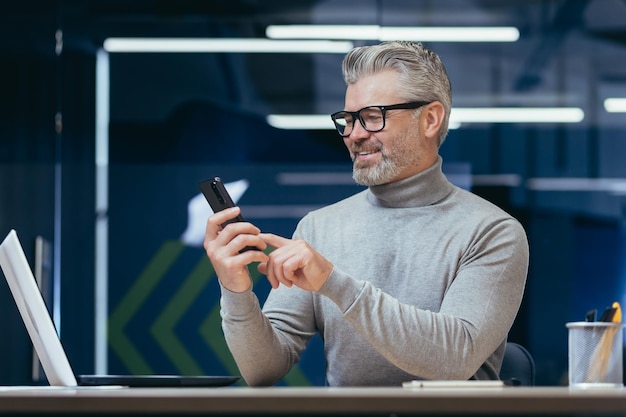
{"x": 217, "y": 193}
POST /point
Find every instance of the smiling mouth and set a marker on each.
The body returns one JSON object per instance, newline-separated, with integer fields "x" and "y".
{"x": 358, "y": 151}
{"x": 364, "y": 155}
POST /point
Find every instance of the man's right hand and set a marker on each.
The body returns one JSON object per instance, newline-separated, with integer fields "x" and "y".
{"x": 223, "y": 246}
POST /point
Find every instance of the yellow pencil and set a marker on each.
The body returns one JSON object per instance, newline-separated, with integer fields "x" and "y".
{"x": 599, "y": 364}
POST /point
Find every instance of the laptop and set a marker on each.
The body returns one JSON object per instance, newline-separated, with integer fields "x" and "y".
{"x": 46, "y": 342}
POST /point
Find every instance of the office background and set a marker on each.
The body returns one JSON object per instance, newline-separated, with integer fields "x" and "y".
{"x": 101, "y": 152}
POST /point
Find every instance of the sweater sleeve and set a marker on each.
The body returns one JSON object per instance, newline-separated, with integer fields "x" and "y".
{"x": 264, "y": 348}
{"x": 476, "y": 313}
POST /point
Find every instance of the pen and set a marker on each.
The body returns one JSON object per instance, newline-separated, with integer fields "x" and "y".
{"x": 599, "y": 363}
{"x": 608, "y": 314}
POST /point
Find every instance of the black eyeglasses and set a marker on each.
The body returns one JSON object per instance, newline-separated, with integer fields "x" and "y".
{"x": 372, "y": 118}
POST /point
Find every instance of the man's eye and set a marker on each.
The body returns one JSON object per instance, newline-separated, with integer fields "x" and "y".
{"x": 373, "y": 117}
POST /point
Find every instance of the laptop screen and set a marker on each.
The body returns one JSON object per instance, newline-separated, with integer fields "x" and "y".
{"x": 43, "y": 335}
{"x": 34, "y": 313}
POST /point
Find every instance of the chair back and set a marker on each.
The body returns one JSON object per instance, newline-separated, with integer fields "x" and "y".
{"x": 518, "y": 364}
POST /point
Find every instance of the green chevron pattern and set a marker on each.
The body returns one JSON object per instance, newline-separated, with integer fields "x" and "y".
{"x": 218, "y": 344}
{"x": 163, "y": 328}
{"x": 133, "y": 300}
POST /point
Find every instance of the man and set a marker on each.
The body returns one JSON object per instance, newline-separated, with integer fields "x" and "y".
{"x": 413, "y": 278}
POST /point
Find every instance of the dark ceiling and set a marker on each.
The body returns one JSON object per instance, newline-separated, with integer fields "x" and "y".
{"x": 570, "y": 53}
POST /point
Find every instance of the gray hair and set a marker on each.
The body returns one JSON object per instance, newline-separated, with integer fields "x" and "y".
{"x": 421, "y": 71}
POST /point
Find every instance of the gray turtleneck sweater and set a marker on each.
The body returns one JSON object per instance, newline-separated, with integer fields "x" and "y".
{"x": 427, "y": 281}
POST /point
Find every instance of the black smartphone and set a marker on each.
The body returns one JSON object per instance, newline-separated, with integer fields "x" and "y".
{"x": 219, "y": 199}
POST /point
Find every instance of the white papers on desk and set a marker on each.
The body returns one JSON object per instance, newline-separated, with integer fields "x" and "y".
{"x": 454, "y": 384}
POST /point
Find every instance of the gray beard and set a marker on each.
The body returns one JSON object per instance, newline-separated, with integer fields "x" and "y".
{"x": 379, "y": 174}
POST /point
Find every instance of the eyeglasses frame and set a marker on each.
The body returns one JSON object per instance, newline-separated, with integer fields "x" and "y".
{"x": 357, "y": 114}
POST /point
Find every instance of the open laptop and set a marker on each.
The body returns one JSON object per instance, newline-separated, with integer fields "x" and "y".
{"x": 43, "y": 334}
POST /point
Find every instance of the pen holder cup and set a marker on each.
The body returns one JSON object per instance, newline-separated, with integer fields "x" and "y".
{"x": 595, "y": 355}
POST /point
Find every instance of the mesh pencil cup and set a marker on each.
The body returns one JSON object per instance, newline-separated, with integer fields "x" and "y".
{"x": 595, "y": 355}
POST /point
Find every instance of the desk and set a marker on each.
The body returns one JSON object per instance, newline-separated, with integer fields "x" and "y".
{"x": 310, "y": 401}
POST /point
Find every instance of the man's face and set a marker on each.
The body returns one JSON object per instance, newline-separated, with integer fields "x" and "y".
{"x": 396, "y": 152}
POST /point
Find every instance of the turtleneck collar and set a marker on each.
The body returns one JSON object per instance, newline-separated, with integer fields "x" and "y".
{"x": 423, "y": 189}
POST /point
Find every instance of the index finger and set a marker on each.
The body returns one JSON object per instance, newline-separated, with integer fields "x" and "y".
{"x": 215, "y": 221}
{"x": 274, "y": 240}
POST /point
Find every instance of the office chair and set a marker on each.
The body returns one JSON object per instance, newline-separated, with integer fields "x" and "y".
{"x": 518, "y": 364}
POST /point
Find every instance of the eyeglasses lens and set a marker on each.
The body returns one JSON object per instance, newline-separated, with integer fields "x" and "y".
{"x": 371, "y": 119}
{"x": 343, "y": 122}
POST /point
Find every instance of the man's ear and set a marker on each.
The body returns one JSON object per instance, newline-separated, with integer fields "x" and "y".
{"x": 432, "y": 118}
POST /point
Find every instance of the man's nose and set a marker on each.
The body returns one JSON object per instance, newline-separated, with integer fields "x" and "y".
{"x": 358, "y": 131}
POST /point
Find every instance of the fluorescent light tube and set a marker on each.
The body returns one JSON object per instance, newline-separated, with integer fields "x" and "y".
{"x": 612, "y": 185}
{"x": 242, "y": 45}
{"x": 517, "y": 115}
{"x": 615, "y": 105}
{"x": 301, "y": 121}
{"x": 312, "y": 122}
{"x": 450, "y": 34}
{"x": 385, "y": 33}
{"x": 458, "y": 116}
{"x": 350, "y": 32}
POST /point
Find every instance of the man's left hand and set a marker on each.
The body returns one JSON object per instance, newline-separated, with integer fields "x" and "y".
{"x": 294, "y": 262}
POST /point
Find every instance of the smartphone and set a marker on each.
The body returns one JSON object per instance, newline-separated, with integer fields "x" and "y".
{"x": 219, "y": 199}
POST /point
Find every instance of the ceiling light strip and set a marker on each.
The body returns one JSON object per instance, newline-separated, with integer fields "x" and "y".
{"x": 301, "y": 121}
{"x": 457, "y": 117}
{"x": 517, "y": 115}
{"x": 386, "y": 33}
{"x": 346, "y": 32}
{"x": 615, "y": 105}
{"x": 612, "y": 185}
{"x": 312, "y": 122}
{"x": 225, "y": 45}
